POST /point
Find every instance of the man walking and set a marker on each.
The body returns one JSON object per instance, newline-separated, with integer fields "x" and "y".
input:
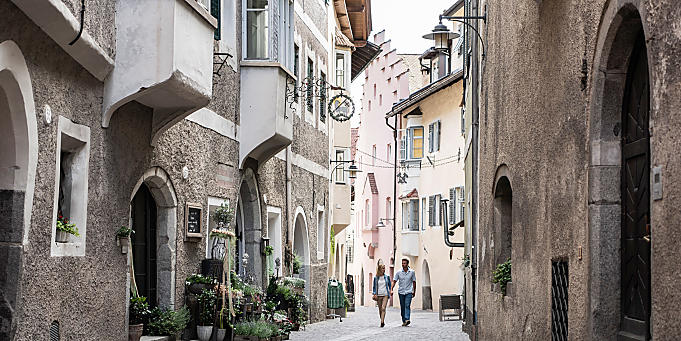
{"x": 407, "y": 290}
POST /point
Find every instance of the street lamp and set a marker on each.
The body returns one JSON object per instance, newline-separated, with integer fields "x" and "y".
{"x": 352, "y": 170}
{"x": 441, "y": 35}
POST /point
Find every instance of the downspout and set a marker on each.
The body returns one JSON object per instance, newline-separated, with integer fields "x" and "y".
{"x": 288, "y": 202}
{"x": 474, "y": 171}
{"x": 394, "y": 128}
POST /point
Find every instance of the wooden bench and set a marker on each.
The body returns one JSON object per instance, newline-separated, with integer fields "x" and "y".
{"x": 450, "y": 302}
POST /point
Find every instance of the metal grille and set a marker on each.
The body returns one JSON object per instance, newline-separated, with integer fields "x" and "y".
{"x": 559, "y": 301}
{"x": 54, "y": 331}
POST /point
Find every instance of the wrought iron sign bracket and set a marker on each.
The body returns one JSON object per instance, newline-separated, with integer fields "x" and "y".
{"x": 463, "y": 19}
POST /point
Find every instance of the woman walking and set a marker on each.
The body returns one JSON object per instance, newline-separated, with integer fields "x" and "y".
{"x": 381, "y": 291}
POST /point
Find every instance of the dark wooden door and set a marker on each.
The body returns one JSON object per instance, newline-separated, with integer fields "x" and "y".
{"x": 144, "y": 244}
{"x": 635, "y": 283}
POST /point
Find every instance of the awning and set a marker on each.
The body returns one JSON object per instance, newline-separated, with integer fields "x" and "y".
{"x": 362, "y": 56}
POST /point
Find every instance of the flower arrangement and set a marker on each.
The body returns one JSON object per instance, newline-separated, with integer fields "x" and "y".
{"x": 223, "y": 214}
{"x": 139, "y": 310}
{"x": 199, "y": 279}
{"x": 64, "y": 225}
{"x": 221, "y": 233}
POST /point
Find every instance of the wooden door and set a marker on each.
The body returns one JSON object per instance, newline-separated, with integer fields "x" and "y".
{"x": 144, "y": 244}
{"x": 635, "y": 285}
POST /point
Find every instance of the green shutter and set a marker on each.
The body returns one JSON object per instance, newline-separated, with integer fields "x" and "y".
{"x": 215, "y": 12}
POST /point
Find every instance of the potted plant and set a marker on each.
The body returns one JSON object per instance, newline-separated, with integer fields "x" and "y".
{"x": 138, "y": 314}
{"x": 222, "y": 331}
{"x": 502, "y": 276}
{"x": 123, "y": 238}
{"x": 243, "y": 331}
{"x": 198, "y": 283}
{"x": 64, "y": 228}
{"x": 297, "y": 264}
{"x": 166, "y": 322}
{"x": 207, "y": 302}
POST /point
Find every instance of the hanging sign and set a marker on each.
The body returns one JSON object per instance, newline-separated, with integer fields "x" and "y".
{"x": 341, "y": 107}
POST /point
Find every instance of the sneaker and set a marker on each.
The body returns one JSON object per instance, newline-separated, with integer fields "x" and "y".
{"x": 406, "y": 323}
{"x": 382, "y": 324}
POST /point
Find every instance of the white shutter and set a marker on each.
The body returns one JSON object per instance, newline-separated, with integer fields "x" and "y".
{"x": 431, "y": 210}
{"x": 438, "y": 135}
{"x": 452, "y": 205}
{"x": 430, "y": 137}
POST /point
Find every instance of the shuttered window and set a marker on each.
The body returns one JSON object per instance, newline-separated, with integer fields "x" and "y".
{"x": 438, "y": 134}
{"x": 462, "y": 211}
{"x": 431, "y": 210}
{"x": 452, "y": 206}
{"x": 431, "y": 137}
{"x": 215, "y": 12}
{"x": 423, "y": 213}
{"x": 438, "y": 210}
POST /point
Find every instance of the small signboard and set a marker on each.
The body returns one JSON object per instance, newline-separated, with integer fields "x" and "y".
{"x": 193, "y": 220}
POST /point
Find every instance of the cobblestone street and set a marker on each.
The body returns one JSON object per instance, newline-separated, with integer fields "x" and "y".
{"x": 364, "y": 325}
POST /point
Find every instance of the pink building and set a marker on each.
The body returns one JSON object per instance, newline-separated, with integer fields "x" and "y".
{"x": 386, "y": 81}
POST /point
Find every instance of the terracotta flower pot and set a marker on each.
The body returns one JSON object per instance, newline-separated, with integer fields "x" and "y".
{"x": 135, "y": 332}
{"x": 61, "y": 237}
{"x": 204, "y": 332}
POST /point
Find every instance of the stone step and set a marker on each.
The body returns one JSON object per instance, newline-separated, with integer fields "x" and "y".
{"x": 154, "y": 338}
{"x": 626, "y": 336}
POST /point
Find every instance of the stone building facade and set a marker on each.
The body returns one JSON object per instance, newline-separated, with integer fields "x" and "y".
{"x": 579, "y": 177}
{"x": 125, "y": 127}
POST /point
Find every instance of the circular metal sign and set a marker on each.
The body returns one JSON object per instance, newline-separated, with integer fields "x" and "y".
{"x": 341, "y": 107}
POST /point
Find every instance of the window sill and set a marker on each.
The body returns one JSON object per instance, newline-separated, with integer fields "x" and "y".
{"x": 202, "y": 12}
{"x": 266, "y": 63}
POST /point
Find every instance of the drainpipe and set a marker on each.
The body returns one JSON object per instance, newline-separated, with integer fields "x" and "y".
{"x": 288, "y": 201}
{"x": 474, "y": 169}
{"x": 394, "y": 128}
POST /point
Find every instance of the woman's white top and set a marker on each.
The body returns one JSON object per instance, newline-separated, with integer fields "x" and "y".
{"x": 382, "y": 289}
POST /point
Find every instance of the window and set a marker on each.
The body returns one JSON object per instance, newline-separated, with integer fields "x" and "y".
{"x": 369, "y": 105}
{"x": 257, "y": 29}
{"x": 310, "y": 89}
{"x": 366, "y": 213}
{"x": 322, "y": 98}
{"x": 215, "y": 12}
{"x": 286, "y": 33}
{"x": 340, "y": 70}
{"x": 374, "y": 90}
{"x": 321, "y": 231}
{"x": 340, "y": 171}
{"x": 416, "y": 135}
{"x": 434, "y": 137}
{"x": 380, "y": 100}
{"x": 503, "y": 220}
{"x": 388, "y": 208}
{"x": 73, "y": 148}
{"x": 388, "y": 152}
{"x": 403, "y": 148}
{"x": 373, "y": 155}
{"x": 460, "y": 202}
{"x": 434, "y": 218}
{"x": 410, "y": 215}
{"x": 423, "y": 213}
{"x": 453, "y": 205}
{"x": 296, "y": 68}
{"x": 463, "y": 120}
{"x": 395, "y": 96}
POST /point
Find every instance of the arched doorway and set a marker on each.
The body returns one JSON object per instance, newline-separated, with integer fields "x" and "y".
{"x": 426, "y": 293}
{"x": 249, "y": 229}
{"x": 18, "y": 159}
{"x": 153, "y": 216}
{"x": 301, "y": 247}
{"x": 620, "y": 212}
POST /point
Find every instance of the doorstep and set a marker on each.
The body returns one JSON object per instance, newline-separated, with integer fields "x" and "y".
{"x": 154, "y": 338}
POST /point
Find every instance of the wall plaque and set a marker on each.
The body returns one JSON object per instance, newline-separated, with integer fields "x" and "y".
{"x": 193, "y": 220}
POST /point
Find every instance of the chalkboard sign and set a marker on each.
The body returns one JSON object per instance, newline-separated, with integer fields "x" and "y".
{"x": 192, "y": 220}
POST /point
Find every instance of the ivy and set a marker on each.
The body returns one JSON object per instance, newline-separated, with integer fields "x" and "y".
{"x": 502, "y": 275}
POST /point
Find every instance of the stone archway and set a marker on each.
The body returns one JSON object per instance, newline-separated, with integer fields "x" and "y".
{"x": 620, "y": 33}
{"x": 163, "y": 192}
{"x": 18, "y": 160}
{"x": 301, "y": 246}
{"x": 249, "y": 225}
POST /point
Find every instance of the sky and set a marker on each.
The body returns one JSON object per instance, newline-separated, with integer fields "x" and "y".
{"x": 405, "y": 22}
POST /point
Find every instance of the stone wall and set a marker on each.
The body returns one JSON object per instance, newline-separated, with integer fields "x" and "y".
{"x": 536, "y": 117}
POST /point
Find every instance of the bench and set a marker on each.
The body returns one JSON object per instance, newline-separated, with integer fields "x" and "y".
{"x": 450, "y": 302}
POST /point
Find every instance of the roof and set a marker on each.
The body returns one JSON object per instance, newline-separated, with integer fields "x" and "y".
{"x": 425, "y": 92}
{"x": 354, "y": 17}
{"x": 362, "y": 56}
{"x": 372, "y": 183}
{"x": 342, "y": 40}
{"x": 454, "y": 8}
{"x": 414, "y": 193}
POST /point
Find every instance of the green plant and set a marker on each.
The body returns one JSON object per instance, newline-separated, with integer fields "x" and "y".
{"x": 223, "y": 214}
{"x": 207, "y": 304}
{"x": 199, "y": 279}
{"x": 502, "y": 275}
{"x": 297, "y": 264}
{"x": 269, "y": 250}
{"x": 124, "y": 232}
{"x": 139, "y": 310}
{"x": 293, "y": 282}
{"x": 64, "y": 225}
{"x": 164, "y": 321}
{"x": 332, "y": 241}
{"x": 236, "y": 281}
{"x": 466, "y": 261}
{"x": 243, "y": 328}
{"x": 346, "y": 302}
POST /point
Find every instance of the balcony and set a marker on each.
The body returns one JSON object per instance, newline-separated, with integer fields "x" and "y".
{"x": 164, "y": 60}
{"x": 410, "y": 243}
{"x": 265, "y": 113}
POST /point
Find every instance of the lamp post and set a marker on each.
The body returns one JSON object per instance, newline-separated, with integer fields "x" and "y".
{"x": 441, "y": 35}
{"x": 352, "y": 170}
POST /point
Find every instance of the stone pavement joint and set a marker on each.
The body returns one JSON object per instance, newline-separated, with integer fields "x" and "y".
{"x": 364, "y": 324}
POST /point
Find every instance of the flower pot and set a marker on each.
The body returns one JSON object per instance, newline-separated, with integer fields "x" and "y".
{"x": 204, "y": 332}
{"x": 135, "y": 332}
{"x": 124, "y": 242}
{"x": 284, "y": 337}
{"x": 221, "y": 334}
{"x": 61, "y": 237}
{"x": 197, "y": 288}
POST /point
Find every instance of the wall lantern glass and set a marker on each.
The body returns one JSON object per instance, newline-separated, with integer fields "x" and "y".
{"x": 441, "y": 35}
{"x": 352, "y": 170}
